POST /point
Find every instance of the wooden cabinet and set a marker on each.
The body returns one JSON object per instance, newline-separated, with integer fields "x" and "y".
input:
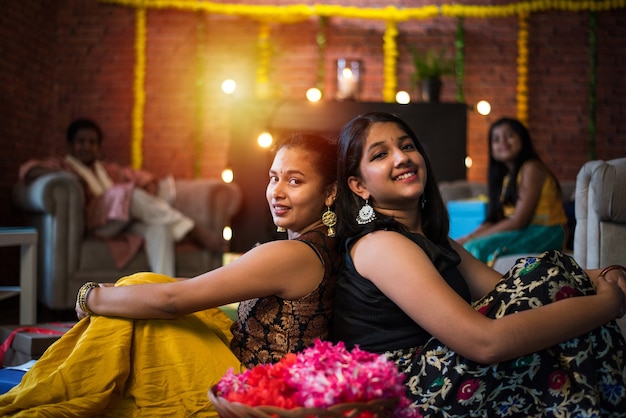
{"x": 442, "y": 128}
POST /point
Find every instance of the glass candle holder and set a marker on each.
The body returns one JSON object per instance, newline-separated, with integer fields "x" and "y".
{"x": 348, "y": 79}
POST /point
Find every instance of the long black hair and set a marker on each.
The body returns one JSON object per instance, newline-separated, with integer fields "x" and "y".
{"x": 435, "y": 221}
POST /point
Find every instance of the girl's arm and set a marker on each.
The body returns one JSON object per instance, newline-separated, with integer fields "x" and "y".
{"x": 286, "y": 268}
{"x": 409, "y": 278}
{"x": 528, "y": 195}
{"x": 480, "y": 278}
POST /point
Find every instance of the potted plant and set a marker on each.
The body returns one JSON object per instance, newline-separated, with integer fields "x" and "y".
{"x": 430, "y": 66}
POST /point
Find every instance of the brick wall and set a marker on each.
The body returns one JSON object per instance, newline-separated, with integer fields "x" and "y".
{"x": 71, "y": 58}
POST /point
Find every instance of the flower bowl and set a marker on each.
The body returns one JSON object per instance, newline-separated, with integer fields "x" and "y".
{"x": 381, "y": 408}
{"x": 323, "y": 380}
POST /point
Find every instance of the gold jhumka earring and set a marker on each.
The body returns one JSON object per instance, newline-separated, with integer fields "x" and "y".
{"x": 329, "y": 219}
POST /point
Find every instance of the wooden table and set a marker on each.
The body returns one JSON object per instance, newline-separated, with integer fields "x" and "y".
{"x": 26, "y": 238}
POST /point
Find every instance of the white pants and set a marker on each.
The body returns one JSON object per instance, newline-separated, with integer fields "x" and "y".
{"x": 161, "y": 226}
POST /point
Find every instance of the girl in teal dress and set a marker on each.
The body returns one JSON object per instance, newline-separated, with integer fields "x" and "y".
{"x": 525, "y": 213}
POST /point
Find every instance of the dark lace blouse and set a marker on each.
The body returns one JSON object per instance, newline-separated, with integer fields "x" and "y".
{"x": 270, "y": 327}
{"x": 365, "y": 316}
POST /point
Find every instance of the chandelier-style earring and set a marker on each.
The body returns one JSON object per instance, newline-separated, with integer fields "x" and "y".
{"x": 280, "y": 229}
{"x": 329, "y": 219}
{"x": 422, "y": 201}
{"x": 366, "y": 214}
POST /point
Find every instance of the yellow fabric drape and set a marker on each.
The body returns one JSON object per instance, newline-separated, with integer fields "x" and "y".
{"x": 114, "y": 367}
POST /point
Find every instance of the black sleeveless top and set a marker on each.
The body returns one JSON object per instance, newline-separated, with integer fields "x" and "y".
{"x": 365, "y": 316}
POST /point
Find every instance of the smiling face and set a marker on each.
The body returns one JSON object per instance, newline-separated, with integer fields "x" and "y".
{"x": 392, "y": 171}
{"x": 85, "y": 146}
{"x": 505, "y": 144}
{"x": 296, "y": 193}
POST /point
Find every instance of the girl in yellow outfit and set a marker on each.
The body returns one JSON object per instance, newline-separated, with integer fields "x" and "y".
{"x": 525, "y": 215}
{"x": 152, "y": 346}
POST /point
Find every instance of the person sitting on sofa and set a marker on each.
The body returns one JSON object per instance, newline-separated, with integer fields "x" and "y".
{"x": 113, "y": 366}
{"x": 540, "y": 341}
{"x": 525, "y": 213}
{"x": 121, "y": 204}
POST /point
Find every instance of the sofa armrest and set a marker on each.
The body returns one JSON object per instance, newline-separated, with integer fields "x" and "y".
{"x": 210, "y": 202}
{"x": 43, "y": 195}
{"x": 54, "y": 205}
{"x": 600, "y": 199}
{"x": 608, "y": 184}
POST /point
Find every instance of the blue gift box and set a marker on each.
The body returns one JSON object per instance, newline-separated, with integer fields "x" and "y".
{"x": 465, "y": 216}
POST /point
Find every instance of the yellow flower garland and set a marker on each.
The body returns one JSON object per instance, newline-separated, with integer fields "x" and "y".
{"x": 264, "y": 51}
{"x": 303, "y": 11}
{"x": 522, "y": 69}
{"x": 390, "y": 52}
{"x": 139, "y": 89}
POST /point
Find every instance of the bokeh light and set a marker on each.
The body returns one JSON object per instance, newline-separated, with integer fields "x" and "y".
{"x": 313, "y": 94}
{"x": 265, "y": 140}
{"x": 229, "y": 86}
{"x": 402, "y": 97}
{"x": 483, "y": 107}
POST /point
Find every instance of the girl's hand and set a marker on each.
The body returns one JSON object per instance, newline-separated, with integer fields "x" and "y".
{"x": 618, "y": 277}
{"x": 82, "y": 314}
{"x": 614, "y": 288}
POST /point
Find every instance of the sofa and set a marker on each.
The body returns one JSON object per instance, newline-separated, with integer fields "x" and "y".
{"x": 67, "y": 257}
{"x": 600, "y": 234}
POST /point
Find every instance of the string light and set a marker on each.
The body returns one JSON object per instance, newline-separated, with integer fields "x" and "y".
{"x": 227, "y": 233}
{"x": 229, "y": 86}
{"x": 483, "y": 107}
{"x": 265, "y": 140}
{"x": 402, "y": 97}
{"x": 228, "y": 175}
{"x": 313, "y": 94}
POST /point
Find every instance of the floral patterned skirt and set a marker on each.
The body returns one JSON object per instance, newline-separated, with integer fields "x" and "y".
{"x": 582, "y": 377}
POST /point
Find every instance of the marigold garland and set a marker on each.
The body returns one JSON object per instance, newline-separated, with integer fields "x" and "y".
{"x": 264, "y": 51}
{"x": 390, "y": 53}
{"x": 139, "y": 89}
{"x": 320, "y": 39}
{"x": 522, "y": 69}
{"x": 303, "y": 11}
